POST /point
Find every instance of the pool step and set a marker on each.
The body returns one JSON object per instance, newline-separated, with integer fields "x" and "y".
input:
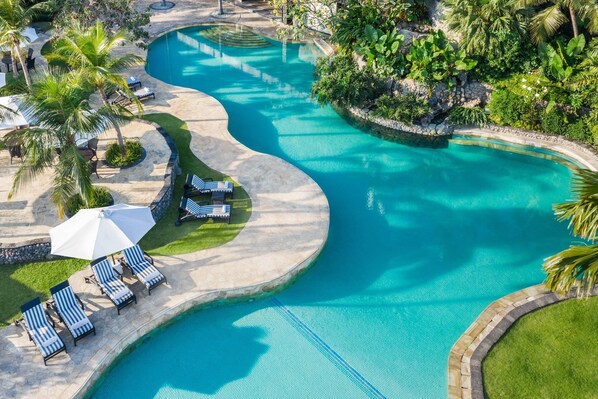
{"x": 234, "y": 36}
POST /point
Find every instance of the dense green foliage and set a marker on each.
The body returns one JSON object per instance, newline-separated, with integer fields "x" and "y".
{"x": 111, "y": 13}
{"x": 100, "y": 197}
{"x": 133, "y": 153}
{"x": 339, "y": 80}
{"x": 381, "y": 51}
{"x": 547, "y": 354}
{"x": 434, "y": 60}
{"x": 407, "y": 109}
{"x": 468, "y": 116}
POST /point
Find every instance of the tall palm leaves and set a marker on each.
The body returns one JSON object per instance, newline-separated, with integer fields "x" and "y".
{"x": 482, "y": 24}
{"x": 89, "y": 52}
{"x": 577, "y": 266}
{"x": 58, "y": 107}
{"x": 549, "y": 20}
{"x": 14, "y": 17}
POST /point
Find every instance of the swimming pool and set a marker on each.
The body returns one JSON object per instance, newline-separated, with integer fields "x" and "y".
{"x": 421, "y": 241}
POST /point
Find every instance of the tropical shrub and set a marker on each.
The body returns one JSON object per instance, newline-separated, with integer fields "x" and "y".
{"x": 517, "y": 55}
{"x": 114, "y": 157}
{"x": 507, "y": 108}
{"x": 553, "y": 121}
{"x": 560, "y": 62}
{"x": 580, "y": 131}
{"x": 434, "y": 60}
{"x": 485, "y": 26}
{"x": 468, "y": 116}
{"x": 351, "y": 20}
{"x": 339, "y": 80}
{"x": 403, "y": 108}
{"x": 112, "y": 13}
{"x": 381, "y": 51}
{"x": 100, "y": 197}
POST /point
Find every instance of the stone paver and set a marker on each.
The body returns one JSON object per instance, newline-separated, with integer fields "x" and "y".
{"x": 287, "y": 207}
{"x": 30, "y": 214}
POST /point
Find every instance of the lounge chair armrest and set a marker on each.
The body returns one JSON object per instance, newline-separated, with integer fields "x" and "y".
{"x": 207, "y": 179}
{"x": 148, "y": 256}
{"x": 91, "y": 280}
{"x": 203, "y": 203}
{"x": 50, "y": 318}
{"x": 80, "y": 302}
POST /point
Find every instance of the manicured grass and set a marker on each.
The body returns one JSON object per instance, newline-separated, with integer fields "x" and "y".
{"x": 551, "y": 353}
{"x": 21, "y": 283}
{"x": 165, "y": 238}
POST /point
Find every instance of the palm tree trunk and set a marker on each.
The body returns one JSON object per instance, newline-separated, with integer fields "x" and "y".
{"x": 24, "y": 65}
{"x": 573, "y": 21}
{"x": 13, "y": 59}
{"x": 119, "y": 135}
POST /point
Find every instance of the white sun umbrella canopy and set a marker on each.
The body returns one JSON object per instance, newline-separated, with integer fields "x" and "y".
{"x": 97, "y": 232}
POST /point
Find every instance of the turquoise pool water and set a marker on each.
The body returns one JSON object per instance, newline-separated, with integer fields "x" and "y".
{"x": 421, "y": 241}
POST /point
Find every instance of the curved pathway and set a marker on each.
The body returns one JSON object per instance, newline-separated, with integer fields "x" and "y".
{"x": 287, "y": 207}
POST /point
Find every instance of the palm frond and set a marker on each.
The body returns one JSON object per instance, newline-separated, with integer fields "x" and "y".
{"x": 582, "y": 213}
{"x": 546, "y": 22}
{"x": 574, "y": 269}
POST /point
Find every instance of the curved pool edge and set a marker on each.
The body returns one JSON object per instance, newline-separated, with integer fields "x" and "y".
{"x": 465, "y": 378}
{"x": 580, "y": 153}
{"x": 257, "y": 261}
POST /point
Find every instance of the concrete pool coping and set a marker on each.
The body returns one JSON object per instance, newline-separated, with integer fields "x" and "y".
{"x": 287, "y": 207}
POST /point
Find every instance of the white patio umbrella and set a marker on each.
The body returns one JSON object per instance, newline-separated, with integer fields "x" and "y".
{"x": 15, "y": 120}
{"x": 93, "y": 233}
{"x": 2, "y": 79}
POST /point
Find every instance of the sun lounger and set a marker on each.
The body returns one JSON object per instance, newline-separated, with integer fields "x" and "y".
{"x": 37, "y": 325}
{"x": 196, "y": 186}
{"x": 190, "y": 210}
{"x": 142, "y": 266}
{"x": 69, "y": 308}
{"x": 111, "y": 285}
{"x": 143, "y": 93}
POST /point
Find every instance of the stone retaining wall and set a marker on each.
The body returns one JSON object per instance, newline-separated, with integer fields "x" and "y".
{"x": 39, "y": 249}
{"x": 429, "y": 130}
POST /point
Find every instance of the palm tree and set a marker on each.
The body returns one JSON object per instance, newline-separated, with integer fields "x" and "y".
{"x": 89, "y": 52}
{"x": 14, "y": 18}
{"x": 547, "y": 21}
{"x": 482, "y": 24}
{"x": 57, "y": 105}
{"x": 577, "y": 267}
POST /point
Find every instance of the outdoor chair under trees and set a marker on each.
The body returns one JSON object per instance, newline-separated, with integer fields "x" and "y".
{"x": 70, "y": 311}
{"x": 142, "y": 266}
{"x": 111, "y": 284}
{"x": 124, "y": 99}
{"x": 190, "y": 210}
{"x": 195, "y": 186}
{"x": 37, "y": 325}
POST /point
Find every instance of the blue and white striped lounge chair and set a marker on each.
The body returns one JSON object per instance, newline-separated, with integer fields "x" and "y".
{"x": 196, "y": 186}
{"x": 111, "y": 285}
{"x": 142, "y": 266}
{"x": 37, "y": 325}
{"x": 69, "y": 308}
{"x": 190, "y": 210}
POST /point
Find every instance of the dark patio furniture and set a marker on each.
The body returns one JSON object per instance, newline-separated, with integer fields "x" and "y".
{"x": 110, "y": 284}
{"x": 218, "y": 197}
{"x": 194, "y": 185}
{"x": 15, "y": 151}
{"x": 191, "y": 210}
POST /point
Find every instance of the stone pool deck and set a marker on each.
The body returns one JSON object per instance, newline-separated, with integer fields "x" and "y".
{"x": 30, "y": 214}
{"x": 288, "y": 207}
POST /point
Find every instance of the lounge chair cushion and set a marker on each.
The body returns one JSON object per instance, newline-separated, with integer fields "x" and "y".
{"x": 73, "y": 316}
{"x": 110, "y": 283}
{"x": 211, "y": 186}
{"x": 41, "y": 332}
{"x": 145, "y": 271}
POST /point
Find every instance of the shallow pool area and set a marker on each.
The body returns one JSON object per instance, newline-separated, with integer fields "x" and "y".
{"x": 421, "y": 241}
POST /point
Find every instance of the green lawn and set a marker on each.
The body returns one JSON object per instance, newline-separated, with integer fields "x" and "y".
{"x": 20, "y": 283}
{"x": 551, "y": 353}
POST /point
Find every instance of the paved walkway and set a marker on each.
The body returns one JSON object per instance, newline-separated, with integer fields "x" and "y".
{"x": 288, "y": 207}
{"x": 30, "y": 214}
